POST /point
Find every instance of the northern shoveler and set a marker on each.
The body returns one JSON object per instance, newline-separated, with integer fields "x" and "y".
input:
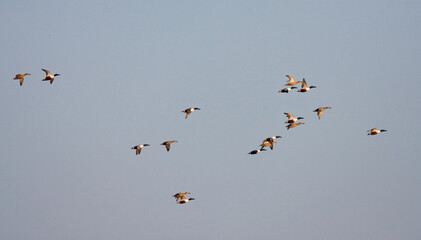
{"x": 189, "y": 110}
{"x": 320, "y": 111}
{"x": 291, "y": 81}
{"x": 48, "y": 76}
{"x": 375, "y": 131}
{"x": 20, "y": 77}
{"x": 304, "y": 87}
{"x": 268, "y": 142}
{"x": 286, "y": 90}
{"x": 184, "y": 200}
{"x": 291, "y": 118}
{"x": 139, "y": 148}
{"x": 168, "y": 144}
{"x": 179, "y": 195}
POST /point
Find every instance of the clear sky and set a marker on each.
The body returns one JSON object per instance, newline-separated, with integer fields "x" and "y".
{"x": 128, "y": 69}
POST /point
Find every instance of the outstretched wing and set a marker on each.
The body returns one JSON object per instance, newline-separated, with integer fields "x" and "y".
{"x": 176, "y": 196}
{"x": 290, "y": 78}
{"x": 319, "y": 113}
{"x": 304, "y": 84}
{"x": 289, "y": 115}
{"x": 46, "y": 71}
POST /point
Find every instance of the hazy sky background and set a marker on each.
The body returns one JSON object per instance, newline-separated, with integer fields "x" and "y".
{"x": 128, "y": 69}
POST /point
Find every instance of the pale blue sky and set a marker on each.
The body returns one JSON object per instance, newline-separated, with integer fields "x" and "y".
{"x": 129, "y": 68}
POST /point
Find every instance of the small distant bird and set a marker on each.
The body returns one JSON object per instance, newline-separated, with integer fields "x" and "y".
{"x": 178, "y": 195}
{"x": 184, "y": 200}
{"x": 375, "y": 131}
{"x": 49, "y": 76}
{"x": 268, "y": 142}
{"x": 257, "y": 151}
{"x": 189, "y": 110}
{"x": 286, "y": 90}
{"x": 168, "y": 144}
{"x": 139, "y": 148}
{"x": 304, "y": 87}
{"x": 291, "y": 81}
{"x": 291, "y": 118}
{"x": 293, "y": 125}
{"x": 20, "y": 77}
{"x": 320, "y": 111}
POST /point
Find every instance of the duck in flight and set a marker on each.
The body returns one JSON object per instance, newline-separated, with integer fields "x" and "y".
{"x": 291, "y": 118}
{"x": 20, "y": 77}
{"x": 320, "y": 111}
{"x": 184, "y": 200}
{"x": 375, "y": 131}
{"x": 268, "y": 142}
{"x": 304, "y": 87}
{"x": 48, "y": 76}
{"x": 167, "y": 144}
{"x": 178, "y": 195}
{"x": 139, "y": 148}
{"x": 286, "y": 90}
{"x": 188, "y": 111}
{"x": 290, "y": 81}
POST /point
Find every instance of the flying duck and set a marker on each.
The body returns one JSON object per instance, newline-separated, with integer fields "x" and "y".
{"x": 257, "y": 151}
{"x": 189, "y": 110}
{"x": 286, "y": 90}
{"x": 304, "y": 87}
{"x": 291, "y": 81}
{"x": 168, "y": 144}
{"x": 49, "y": 76}
{"x": 178, "y": 195}
{"x": 375, "y": 131}
{"x": 291, "y": 118}
{"x": 268, "y": 142}
{"x": 320, "y": 111}
{"x": 139, "y": 148}
{"x": 184, "y": 200}
{"x": 293, "y": 125}
{"x": 20, "y": 77}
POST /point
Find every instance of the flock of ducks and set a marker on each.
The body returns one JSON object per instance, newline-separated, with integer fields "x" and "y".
{"x": 179, "y": 197}
{"x": 48, "y": 76}
{"x": 292, "y": 122}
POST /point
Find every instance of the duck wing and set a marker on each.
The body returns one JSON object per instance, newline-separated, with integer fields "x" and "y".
{"x": 290, "y": 78}
{"x": 304, "y": 84}
{"x": 289, "y": 115}
{"x": 46, "y": 72}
